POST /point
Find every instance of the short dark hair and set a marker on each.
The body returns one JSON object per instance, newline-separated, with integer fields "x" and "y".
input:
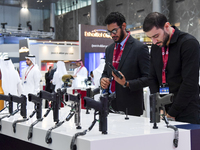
{"x": 115, "y": 17}
{"x": 154, "y": 19}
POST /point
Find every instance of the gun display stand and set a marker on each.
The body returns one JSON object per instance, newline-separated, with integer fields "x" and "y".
{"x": 48, "y": 138}
{"x": 30, "y": 131}
{"x": 72, "y": 144}
{"x": 38, "y": 109}
{"x": 157, "y": 103}
{"x": 55, "y": 98}
{"x": 71, "y": 114}
{"x": 126, "y": 118}
{"x": 22, "y": 120}
{"x": 7, "y": 116}
{"x": 9, "y": 105}
{"x": 101, "y": 109}
{"x": 75, "y": 110}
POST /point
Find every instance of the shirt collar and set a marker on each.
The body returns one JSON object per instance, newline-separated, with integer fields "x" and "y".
{"x": 122, "y": 43}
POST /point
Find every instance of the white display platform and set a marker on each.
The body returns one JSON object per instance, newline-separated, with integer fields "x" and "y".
{"x": 135, "y": 133}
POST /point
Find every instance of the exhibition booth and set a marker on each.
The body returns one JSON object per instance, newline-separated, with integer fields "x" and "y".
{"x": 122, "y": 131}
{"x": 48, "y": 54}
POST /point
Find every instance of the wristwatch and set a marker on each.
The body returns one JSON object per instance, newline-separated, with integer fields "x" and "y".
{"x": 124, "y": 86}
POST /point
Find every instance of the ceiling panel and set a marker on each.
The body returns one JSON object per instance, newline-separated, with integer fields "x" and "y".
{"x": 34, "y": 4}
{"x": 45, "y": 4}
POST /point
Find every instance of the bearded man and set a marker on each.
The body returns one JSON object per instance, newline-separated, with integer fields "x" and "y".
{"x": 131, "y": 58}
{"x": 174, "y": 67}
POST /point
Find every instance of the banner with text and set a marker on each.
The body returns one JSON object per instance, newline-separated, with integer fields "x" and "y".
{"x": 93, "y": 39}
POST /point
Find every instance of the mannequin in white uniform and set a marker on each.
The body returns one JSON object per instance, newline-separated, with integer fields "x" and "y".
{"x": 97, "y": 73}
{"x": 57, "y": 77}
{"x": 31, "y": 79}
{"x": 80, "y": 74}
{"x": 11, "y": 82}
{"x": 97, "y": 76}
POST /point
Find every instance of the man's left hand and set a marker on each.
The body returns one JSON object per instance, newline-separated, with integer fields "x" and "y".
{"x": 118, "y": 80}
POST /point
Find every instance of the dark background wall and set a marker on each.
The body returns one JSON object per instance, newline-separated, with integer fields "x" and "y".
{"x": 184, "y": 12}
{"x": 187, "y": 13}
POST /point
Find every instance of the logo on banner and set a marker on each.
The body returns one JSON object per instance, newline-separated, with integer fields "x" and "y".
{"x": 98, "y": 33}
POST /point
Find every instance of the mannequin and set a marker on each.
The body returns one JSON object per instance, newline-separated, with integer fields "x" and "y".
{"x": 11, "y": 82}
{"x": 97, "y": 73}
{"x": 57, "y": 77}
{"x": 80, "y": 74}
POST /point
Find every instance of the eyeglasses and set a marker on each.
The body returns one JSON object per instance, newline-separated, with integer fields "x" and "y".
{"x": 114, "y": 31}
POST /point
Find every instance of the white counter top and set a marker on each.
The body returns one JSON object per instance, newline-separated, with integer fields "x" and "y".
{"x": 135, "y": 133}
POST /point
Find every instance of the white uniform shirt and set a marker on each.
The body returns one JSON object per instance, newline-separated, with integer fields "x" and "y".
{"x": 98, "y": 72}
{"x": 57, "y": 77}
{"x": 81, "y": 76}
{"x": 32, "y": 82}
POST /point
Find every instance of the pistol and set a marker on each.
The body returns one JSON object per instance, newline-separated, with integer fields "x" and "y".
{"x": 115, "y": 71}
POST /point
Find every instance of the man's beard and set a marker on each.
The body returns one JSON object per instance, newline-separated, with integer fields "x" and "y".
{"x": 166, "y": 38}
{"x": 121, "y": 37}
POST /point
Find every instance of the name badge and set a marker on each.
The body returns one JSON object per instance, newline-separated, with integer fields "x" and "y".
{"x": 164, "y": 90}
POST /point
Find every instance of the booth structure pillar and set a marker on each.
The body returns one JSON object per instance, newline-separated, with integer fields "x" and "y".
{"x": 157, "y": 6}
{"x": 52, "y": 18}
{"x": 93, "y": 12}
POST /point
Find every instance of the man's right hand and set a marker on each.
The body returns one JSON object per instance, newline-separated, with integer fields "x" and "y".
{"x": 105, "y": 82}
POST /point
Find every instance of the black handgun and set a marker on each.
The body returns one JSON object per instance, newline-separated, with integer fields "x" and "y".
{"x": 90, "y": 93}
{"x": 54, "y": 98}
{"x": 8, "y": 98}
{"x": 38, "y": 104}
{"x": 76, "y": 109}
{"x": 156, "y": 103}
{"x": 23, "y": 101}
{"x": 100, "y": 106}
{"x": 115, "y": 71}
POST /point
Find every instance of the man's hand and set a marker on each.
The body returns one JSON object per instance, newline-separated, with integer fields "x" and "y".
{"x": 168, "y": 116}
{"x": 105, "y": 82}
{"x": 74, "y": 76}
{"x": 117, "y": 79}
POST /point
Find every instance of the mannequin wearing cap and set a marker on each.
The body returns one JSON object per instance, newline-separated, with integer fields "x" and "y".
{"x": 31, "y": 79}
{"x": 11, "y": 82}
{"x": 80, "y": 74}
